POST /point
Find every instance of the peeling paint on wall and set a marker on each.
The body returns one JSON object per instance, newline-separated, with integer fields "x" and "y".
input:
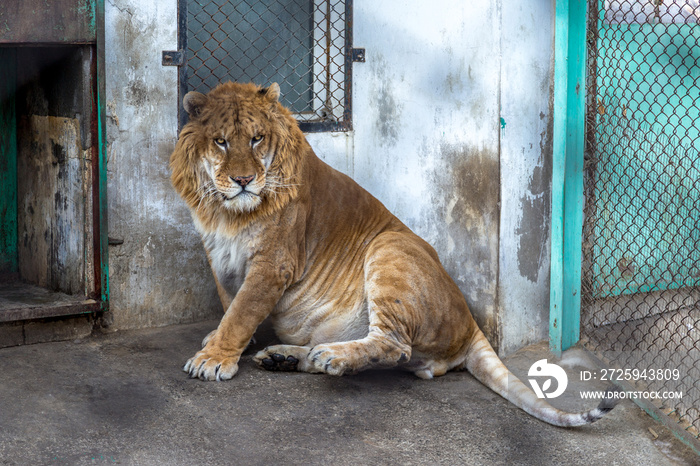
{"x": 439, "y": 174}
{"x": 526, "y": 154}
{"x": 534, "y": 224}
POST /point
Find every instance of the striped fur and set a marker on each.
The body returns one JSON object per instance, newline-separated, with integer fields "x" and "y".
{"x": 347, "y": 285}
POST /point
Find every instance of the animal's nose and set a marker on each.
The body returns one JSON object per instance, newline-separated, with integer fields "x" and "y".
{"x": 243, "y": 181}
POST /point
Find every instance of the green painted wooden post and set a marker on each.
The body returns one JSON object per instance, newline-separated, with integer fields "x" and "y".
{"x": 8, "y": 162}
{"x": 573, "y": 185}
{"x": 567, "y": 174}
{"x": 102, "y": 153}
{"x": 561, "y": 54}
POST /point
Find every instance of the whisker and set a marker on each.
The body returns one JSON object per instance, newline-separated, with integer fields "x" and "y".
{"x": 206, "y": 192}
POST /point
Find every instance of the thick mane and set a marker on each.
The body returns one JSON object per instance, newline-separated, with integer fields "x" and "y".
{"x": 283, "y": 176}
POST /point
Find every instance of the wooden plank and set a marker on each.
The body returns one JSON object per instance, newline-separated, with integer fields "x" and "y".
{"x": 561, "y": 52}
{"x": 99, "y": 160}
{"x": 8, "y": 161}
{"x": 573, "y": 184}
{"x": 22, "y": 301}
{"x": 55, "y": 165}
{"x": 567, "y": 174}
{"x": 52, "y": 204}
{"x": 47, "y": 21}
{"x": 88, "y": 306}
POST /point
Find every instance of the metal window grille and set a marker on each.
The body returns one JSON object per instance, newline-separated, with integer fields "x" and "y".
{"x": 641, "y": 237}
{"x": 303, "y": 45}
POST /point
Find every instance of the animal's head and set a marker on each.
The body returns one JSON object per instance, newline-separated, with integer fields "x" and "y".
{"x": 238, "y": 153}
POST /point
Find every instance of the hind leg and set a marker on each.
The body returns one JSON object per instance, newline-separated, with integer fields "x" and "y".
{"x": 414, "y": 308}
{"x": 376, "y": 350}
{"x": 393, "y": 263}
{"x": 348, "y": 357}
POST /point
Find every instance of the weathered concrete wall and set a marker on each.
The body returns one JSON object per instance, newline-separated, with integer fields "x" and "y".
{"x": 527, "y": 67}
{"x": 451, "y": 131}
{"x": 159, "y": 275}
{"x": 427, "y": 134}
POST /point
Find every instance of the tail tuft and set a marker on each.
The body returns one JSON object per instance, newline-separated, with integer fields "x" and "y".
{"x": 611, "y": 398}
{"x": 606, "y": 405}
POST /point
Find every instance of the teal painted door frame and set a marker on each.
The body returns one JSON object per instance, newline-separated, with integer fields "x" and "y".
{"x": 567, "y": 173}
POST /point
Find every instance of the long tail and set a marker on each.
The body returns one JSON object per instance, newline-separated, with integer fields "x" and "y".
{"x": 487, "y": 367}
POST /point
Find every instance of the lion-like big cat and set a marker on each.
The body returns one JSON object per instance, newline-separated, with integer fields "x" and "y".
{"x": 347, "y": 286}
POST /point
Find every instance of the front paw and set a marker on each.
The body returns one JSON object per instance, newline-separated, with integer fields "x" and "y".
{"x": 211, "y": 365}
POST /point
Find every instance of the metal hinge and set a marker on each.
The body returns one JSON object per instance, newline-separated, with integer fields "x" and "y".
{"x": 173, "y": 58}
{"x": 358, "y": 55}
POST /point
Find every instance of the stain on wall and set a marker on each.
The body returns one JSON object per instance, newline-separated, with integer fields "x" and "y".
{"x": 525, "y": 152}
{"x": 470, "y": 218}
{"x": 388, "y": 108}
{"x": 534, "y": 224}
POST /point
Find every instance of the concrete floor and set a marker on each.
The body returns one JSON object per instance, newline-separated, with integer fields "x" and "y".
{"x": 123, "y": 399}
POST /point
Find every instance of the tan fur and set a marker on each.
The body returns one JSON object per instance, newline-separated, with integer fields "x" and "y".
{"x": 347, "y": 285}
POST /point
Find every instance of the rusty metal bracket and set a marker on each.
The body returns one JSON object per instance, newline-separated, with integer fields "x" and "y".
{"x": 358, "y": 55}
{"x": 173, "y": 58}
{"x": 115, "y": 241}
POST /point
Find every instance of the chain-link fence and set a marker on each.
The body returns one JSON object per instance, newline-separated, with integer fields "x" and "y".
{"x": 641, "y": 238}
{"x": 303, "y": 45}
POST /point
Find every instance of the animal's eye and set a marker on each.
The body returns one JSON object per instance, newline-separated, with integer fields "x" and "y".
{"x": 220, "y": 141}
{"x": 256, "y": 139}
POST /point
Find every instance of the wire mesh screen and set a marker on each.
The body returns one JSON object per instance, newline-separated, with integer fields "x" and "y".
{"x": 300, "y": 44}
{"x": 641, "y": 239}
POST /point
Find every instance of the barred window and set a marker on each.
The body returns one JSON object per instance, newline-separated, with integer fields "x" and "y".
{"x": 303, "y": 45}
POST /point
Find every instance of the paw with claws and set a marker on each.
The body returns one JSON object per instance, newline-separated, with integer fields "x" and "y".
{"x": 211, "y": 365}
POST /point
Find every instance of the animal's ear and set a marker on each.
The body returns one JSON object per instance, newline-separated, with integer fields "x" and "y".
{"x": 272, "y": 92}
{"x": 194, "y": 102}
